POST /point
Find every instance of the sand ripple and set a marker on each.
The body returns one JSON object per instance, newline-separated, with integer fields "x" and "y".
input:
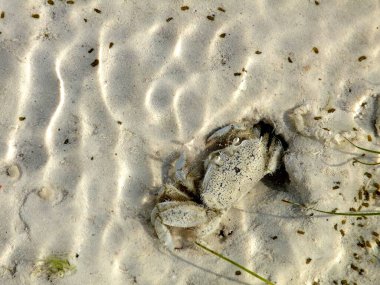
{"x": 95, "y": 103}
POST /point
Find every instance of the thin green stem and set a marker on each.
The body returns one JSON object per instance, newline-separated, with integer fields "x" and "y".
{"x": 360, "y": 214}
{"x": 366, "y": 163}
{"x": 235, "y": 263}
{"x": 362, "y": 148}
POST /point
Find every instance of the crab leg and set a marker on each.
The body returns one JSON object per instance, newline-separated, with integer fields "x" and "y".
{"x": 275, "y": 152}
{"x": 170, "y": 192}
{"x": 182, "y": 173}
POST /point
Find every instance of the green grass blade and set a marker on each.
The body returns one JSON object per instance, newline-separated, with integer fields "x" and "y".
{"x": 235, "y": 263}
{"x": 362, "y": 148}
{"x": 360, "y": 214}
{"x": 366, "y": 163}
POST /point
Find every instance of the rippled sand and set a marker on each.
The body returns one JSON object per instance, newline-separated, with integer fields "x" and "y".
{"x": 97, "y": 96}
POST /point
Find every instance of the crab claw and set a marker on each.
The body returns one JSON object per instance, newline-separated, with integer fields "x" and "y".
{"x": 182, "y": 215}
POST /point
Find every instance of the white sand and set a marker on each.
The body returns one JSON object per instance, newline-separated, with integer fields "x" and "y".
{"x": 83, "y": 148}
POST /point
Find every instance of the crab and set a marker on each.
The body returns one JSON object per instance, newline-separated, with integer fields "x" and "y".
{"x": 236, "y": 158}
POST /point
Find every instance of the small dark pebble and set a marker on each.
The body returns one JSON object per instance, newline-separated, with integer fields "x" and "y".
{"x": 222, "y": 35}
{"x": 360, "y": 244}
{"x": 361, "y": 58}
{"x": 35, "y": 16}
{"x": 366, "y": 195}
{"x": 184, "y": 8}
{"x": 110, "y": 45}
{"x": 237, "y": 272}
{"x": 315, "y": 50}
{"x": 169, "y": 19}
{"x": 97, "y": 11}
{"x": 95, "y": 63}
{"x": 221, "y": 9}
{"x": 221, "y": 234}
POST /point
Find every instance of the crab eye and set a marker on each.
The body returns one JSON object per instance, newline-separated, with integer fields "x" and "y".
{"x": 217, "y": 160}
{"x": 236, "y": 141}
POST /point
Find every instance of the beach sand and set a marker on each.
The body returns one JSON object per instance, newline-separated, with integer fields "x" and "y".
{"x": 98, "y": 97}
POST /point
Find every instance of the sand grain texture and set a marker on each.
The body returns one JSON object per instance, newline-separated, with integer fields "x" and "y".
{"x": 98, "y": 95}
